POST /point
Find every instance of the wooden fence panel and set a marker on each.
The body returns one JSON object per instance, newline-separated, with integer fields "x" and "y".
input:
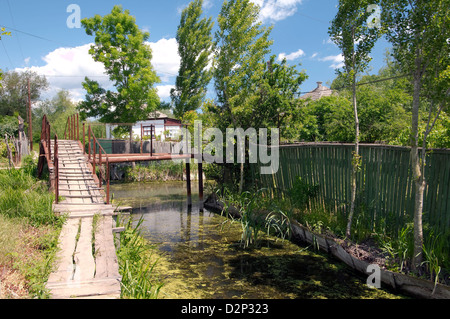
{"x": 385, "y": 189}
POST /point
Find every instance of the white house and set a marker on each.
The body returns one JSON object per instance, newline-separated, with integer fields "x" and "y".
{"x": 164, "y": 126}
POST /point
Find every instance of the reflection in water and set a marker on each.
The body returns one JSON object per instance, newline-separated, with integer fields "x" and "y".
{"x": 199, "y": 255}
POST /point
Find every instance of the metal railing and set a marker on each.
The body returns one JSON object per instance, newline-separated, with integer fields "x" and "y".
{"x": 72, "y": 130}
{"x": 97, "y": 156}
{"x": 47, "y": 150}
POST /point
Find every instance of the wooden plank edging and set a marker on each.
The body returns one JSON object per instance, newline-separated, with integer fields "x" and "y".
{"x": 416, "y": 287}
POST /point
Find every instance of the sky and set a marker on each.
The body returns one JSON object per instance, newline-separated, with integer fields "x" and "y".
{"x": 43, "y": 41}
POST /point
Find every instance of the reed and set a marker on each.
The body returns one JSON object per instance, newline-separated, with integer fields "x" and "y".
{"x": 136, "y": 263}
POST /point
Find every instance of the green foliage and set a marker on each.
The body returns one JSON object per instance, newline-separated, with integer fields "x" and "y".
{"x": 136, "y": 264}
{"x": 155, "y": 171}
{"x": 58, "y": 109}
{"x": 241, "y": 44}
{"x": 301, "y": 193}
{"x": 21, "y": 195}
{"x": 277, "y": 105}
{"x": 8, "y": 125}
{"x": 261, "y": 210}
{"x": 121, "y": 47}
{"x": 14, "y": 91}
{"x": 194, "y": 47}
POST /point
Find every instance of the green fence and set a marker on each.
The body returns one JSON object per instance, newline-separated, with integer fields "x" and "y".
{"x": 385, "y": 187}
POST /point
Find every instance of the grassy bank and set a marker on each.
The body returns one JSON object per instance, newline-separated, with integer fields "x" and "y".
{"x": 29, "y": 233}
{"x": 272, "y": 211}
{"x": 159, "y": 171}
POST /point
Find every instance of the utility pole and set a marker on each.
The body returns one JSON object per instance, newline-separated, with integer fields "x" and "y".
{"x": 30, "y": 128}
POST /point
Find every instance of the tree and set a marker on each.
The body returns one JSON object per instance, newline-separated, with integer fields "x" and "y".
{"x": 352, "y": 32}
{"x": 277, "y": 104}
{"x": 58, "y": 109}
{"x": 14, "y": 91}
{"x": 194, "y": 47}
{"x": 120, "y": 46}
{"x": 419, "y": 33}
{"x": 241, "y": 44}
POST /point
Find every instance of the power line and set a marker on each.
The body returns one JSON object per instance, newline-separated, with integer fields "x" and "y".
{"x": 14, "y": 24}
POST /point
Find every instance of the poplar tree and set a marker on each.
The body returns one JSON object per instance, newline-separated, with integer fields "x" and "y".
{"x": 241, "y": 45}
{"x": 120, "y": 46}
{"x": 420, "y": 35}
{"x": 194, "y": 47}
{"x": 354, "y": 32}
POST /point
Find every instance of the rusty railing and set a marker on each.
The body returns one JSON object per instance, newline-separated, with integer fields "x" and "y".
{"x": 97, "y": 157}
{"x": 46, "y": 151}
{"x": 72, "y": 130}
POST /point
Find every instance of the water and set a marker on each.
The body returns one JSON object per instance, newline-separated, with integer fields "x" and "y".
{"x": 199, "y": 255}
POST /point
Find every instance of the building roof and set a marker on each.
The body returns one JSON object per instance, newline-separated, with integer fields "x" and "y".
{"x": 158, "y": 115}
{"x": 319, "y": 92}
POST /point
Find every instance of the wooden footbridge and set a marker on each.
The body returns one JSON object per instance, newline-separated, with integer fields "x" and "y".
{"x": 87, "y": 265}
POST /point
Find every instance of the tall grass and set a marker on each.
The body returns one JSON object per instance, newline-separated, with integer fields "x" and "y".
{"x": 23, "y": 196}
{"x": 136, "y": 263}
{"x": 29, "y": 228}
{"x": 259, "y": 211}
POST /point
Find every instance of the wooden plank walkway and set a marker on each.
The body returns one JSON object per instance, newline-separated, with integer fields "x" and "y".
{"x": 87, "y": 265}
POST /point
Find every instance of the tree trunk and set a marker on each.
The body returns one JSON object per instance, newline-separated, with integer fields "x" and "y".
{"x": 355, "y": 162}
{"x": 419, "y": 180}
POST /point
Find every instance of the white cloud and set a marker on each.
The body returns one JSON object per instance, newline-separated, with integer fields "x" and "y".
{"x": 65, "y": 68}
{"x": 276, "y": 10}
{"x": 166, "y": 60}
{"x": 164, "y": 91}
{"x": 338, "y": 61}
{"x": 291, "y": 56}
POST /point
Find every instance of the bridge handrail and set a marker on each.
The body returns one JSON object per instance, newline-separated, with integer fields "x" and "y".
{"x": 72, "y": 129}
{"x": 47, "y": 149}
{"x": 98, "y": 160}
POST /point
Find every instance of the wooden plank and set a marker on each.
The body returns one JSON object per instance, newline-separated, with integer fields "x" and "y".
{"x": 84, "y": 260}
{"x": 106, "y": 258}
{"x": 64, "y": 257}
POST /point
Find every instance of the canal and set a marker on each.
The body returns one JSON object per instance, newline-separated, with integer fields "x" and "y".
{"x": 200, "y": 257}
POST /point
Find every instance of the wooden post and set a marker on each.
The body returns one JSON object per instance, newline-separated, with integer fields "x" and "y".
{"x": 142, "y": 134}
{"x": 30, "y": 129}
{"x": 78, "y": 128}
{"x": 200, "y": 185}
{"x": 188, "y": 181}
{"x": 151, "y": 140}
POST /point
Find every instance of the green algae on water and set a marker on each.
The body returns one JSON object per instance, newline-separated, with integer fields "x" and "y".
{"x": 200, "y": 257}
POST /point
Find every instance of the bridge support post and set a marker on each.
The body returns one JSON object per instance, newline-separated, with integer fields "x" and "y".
{"x": 200, "y": 185}
{"x": 188, "y": 182}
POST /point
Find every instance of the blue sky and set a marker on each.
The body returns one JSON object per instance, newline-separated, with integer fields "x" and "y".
{"x": 51, "y": 48}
